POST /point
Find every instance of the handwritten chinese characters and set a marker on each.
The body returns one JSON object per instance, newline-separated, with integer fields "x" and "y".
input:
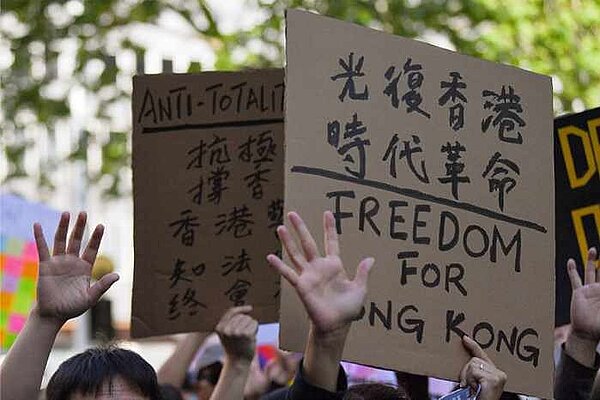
{"x": 208, "y": 183}
{"x": 437, "y": 165}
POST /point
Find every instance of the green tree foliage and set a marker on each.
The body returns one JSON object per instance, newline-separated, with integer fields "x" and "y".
{"x": 553, "y": 37}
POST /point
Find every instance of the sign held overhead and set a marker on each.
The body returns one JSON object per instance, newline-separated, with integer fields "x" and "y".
{"x": 208, "y": 196}
{"x": 440, "y": 166}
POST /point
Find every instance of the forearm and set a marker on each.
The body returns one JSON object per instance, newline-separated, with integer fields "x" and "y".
{"x": 173, "y": 371}
{"x": 23, "y": 368}
{"x": 322, "y": 358}
{"x": 232, "y": 380}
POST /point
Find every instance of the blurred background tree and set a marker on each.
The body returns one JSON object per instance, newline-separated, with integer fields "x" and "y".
{"x": 41, "y": 89}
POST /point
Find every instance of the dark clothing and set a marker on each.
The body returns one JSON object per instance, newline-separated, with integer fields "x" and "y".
{"x": 301, "y": 389}
{"x": 573, "y": 381}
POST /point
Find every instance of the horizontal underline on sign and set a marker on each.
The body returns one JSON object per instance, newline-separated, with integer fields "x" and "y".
{"x": 212, "y": 125}
{"x": 416, "y": 194}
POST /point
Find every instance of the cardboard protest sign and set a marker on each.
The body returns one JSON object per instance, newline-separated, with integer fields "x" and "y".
{"x": 577, "y": 172}
{"x": 440, "y": 166}
{"x": 208, "y": 195}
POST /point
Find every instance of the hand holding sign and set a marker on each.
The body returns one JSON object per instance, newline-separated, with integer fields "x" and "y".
{"x": 481, "y": 372}
{"x": 331, "y": 299}
{"x": 237, "y": 331}
{"x": 64, "y": 289}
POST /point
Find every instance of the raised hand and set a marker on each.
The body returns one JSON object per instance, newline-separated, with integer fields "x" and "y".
{"x": 480, "y": 370}
{"x": 585, "y": 301}
{"x": 64, "y": 289}
{"x": 281, "y": 369}
{"x": 63, "y": 292}
{"x": 331, "y": 299}
{"x": 237, "y": 331}
{"x": 258, "y": 383}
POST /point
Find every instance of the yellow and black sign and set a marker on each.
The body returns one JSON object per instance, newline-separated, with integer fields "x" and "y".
{"x": 577, "y": 174}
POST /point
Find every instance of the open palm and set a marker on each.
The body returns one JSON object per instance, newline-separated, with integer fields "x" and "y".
{"x": 64, "y": 289}
{"x": 331, "y": 299}
{"x": 585, "y": 303}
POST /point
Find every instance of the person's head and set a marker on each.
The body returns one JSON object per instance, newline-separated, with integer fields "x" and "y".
{"x": 104, "y": 373}
{"x": 170, "y": 392}
{"x": 375, "y": 391}
{"x": 208, "y": 376}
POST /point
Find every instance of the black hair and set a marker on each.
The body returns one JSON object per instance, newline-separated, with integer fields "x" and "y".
{"x": 86, "y": 373}
{"x": 372, "y": 391}
{"x": 170, "y": 392}
{"x": 210, "y": 373}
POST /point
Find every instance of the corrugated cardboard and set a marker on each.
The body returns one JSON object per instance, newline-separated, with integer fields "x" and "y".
{"x": 506, "y": 300}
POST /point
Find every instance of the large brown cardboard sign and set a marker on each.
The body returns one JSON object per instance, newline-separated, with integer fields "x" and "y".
{"x": 208, "y": 195}
{"x": 441, "y": 167}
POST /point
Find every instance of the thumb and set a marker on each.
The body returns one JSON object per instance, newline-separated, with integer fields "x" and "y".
{"x": 363, "y": 270}
{"x": 474, "y": 349}
{"x": 100, "y": 287}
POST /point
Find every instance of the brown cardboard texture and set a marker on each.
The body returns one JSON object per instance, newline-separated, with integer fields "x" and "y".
{"x": 208, "y": 195}
{"x": 439, "y": 166}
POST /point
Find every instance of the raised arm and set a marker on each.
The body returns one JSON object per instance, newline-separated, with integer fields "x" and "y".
{"x": 237, "y": 331}
{"x": 63, "y": 292}
{"x": 331, "y": 299}
{"x": 173, "y": 371}
{"x": 578, "y": 363}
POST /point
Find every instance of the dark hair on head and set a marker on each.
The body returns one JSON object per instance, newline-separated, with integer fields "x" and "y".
{"x": 210, "y": 373}
{"x": 372, "y": 391}
{"x": 86, "y": 373}
{"x": 170, "y": 392}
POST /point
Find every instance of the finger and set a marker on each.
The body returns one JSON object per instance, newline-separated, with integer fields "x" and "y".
{"x": 288, "y": 273}
{"x": 40, "y": 241}
{"x": 219, "y": 328}
{"x": 475, "y": 373}
{"x": 306, "y": 240}
{"x": 235, "y": 324}
{"x": 91, "y": 250}
{"x": 233, "y": 311}
{"x": 332, "y": 246}
{"x": 474, "y": 349}
{"x": 99, "y": 288}
{"x": 60, "y": 237}
{"x": 463, "y": 375}
{"x": 290, "y": 248}
{"x": 573, "y": 274}
{"x": 254, "y": 327}
{"x": 590, "y": 268}
{"x": 244, "y": 326}
{"x": 363, "y": 270}
{"x": 77, "y": 235}
{"x": 248, "y": 326}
